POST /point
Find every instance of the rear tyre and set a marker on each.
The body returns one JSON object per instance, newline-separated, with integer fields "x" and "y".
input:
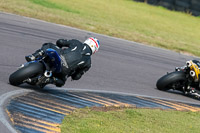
{"x": 166, "y": 82}
{"x": 26, "y": 72}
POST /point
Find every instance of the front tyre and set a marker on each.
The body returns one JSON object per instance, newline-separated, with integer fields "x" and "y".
{"x": 167, "y": 81}
{"x": 26, "y": 72}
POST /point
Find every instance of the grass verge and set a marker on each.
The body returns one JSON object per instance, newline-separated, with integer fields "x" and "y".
{"x": 130, "y": 120}
{"x": 122, "y": 18}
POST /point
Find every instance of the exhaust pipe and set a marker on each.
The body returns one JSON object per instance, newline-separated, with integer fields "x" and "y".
{"x": 47, "y": 74}
{"x": 192, "y": 73}
{"x": 188, "y": 63}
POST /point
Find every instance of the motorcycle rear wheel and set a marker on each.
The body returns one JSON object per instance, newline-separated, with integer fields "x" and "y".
{"x": 166, "y": 82}
{"x": 19, "y": 76}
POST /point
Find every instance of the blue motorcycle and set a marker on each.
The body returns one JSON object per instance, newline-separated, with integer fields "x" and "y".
{"x": 36, "y": 71}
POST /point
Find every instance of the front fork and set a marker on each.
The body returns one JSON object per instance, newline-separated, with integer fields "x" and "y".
{"x": 48, "y": 74}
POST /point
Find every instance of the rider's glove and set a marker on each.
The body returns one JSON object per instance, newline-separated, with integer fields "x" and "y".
{"x": 60, "y": 43}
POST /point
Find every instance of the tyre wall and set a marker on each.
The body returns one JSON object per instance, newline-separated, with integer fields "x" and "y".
{"x": 189, "y": 6}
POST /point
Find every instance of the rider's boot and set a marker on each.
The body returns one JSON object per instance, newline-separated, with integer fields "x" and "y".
{"x": 34, "y": 56}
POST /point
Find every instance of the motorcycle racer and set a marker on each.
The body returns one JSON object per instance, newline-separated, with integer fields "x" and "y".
{"x": 75, "y": 58}
{"x": 185, "y": 79}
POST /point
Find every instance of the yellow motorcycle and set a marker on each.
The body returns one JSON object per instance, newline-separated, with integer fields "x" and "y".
{"x": 185, "y": 79}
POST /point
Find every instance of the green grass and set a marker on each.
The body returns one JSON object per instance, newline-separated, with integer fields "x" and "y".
{"x": 53, "y": 5}
{"x": 126, "y": 120}
{"x": 126, "y": 19}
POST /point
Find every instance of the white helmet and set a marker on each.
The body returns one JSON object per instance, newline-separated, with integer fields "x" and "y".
{"x": 93, "y": 43}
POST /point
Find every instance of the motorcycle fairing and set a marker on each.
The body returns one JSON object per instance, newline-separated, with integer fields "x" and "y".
{"x": 55, "y": 60}
{"x": 194, "y": 67}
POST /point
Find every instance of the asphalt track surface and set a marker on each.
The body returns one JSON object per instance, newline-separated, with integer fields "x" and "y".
{"x": 119, "y": 66}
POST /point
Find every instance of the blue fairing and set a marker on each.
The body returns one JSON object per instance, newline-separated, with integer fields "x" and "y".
{"x": 55, "y": 60}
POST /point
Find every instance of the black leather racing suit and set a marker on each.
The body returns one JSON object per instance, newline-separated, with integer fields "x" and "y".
{"x": 75, "y": 58}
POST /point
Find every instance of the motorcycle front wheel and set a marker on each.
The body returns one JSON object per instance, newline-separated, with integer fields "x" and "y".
{"x": 175, "y": 79}
{"x": 28, "y": 71}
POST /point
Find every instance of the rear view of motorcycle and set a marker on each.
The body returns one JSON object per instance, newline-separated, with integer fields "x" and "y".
{"x": 184, "y": 79}
{"x": 35, "y": 72}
